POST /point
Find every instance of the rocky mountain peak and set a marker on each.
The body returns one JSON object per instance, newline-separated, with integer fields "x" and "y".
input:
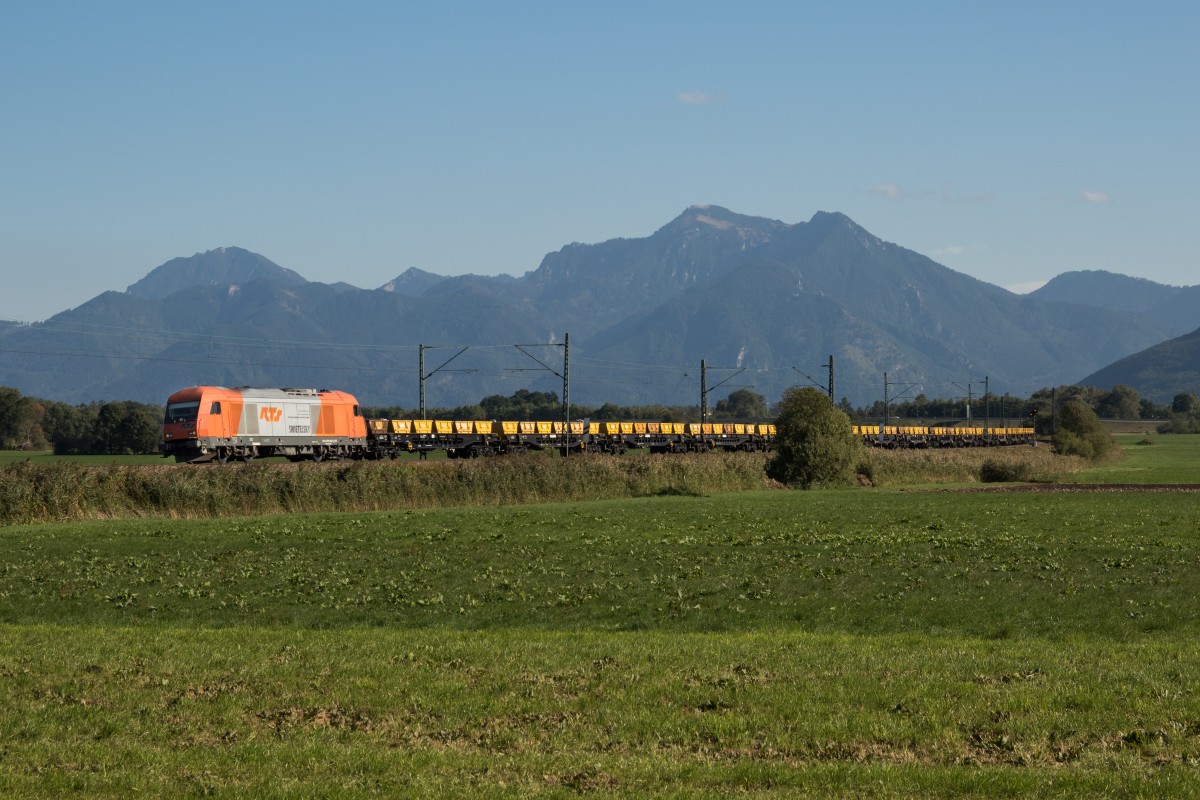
{"x": 219, "y": 267}
{"x": 716, "y": 220}
{"x": 413, "y": 282}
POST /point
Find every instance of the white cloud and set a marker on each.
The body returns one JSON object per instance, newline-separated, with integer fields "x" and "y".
{"x": 952, "y": 250}
{"x": 696, "y": 98}
{"x": 889, "y": 190}
{"x": 1095, "y": 197}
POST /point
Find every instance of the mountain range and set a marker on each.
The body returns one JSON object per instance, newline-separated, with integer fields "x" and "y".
{"x": 763, "y": 303}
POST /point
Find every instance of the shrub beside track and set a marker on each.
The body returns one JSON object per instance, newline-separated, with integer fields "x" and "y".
{"x": 66, "y": 491}
{"x": 32, "y": 493}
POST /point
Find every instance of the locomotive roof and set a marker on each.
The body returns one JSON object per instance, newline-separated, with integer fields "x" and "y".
{"x": 262, "y": 391}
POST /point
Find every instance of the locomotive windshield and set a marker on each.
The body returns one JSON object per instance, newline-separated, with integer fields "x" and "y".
{"x": 182, "y": 412}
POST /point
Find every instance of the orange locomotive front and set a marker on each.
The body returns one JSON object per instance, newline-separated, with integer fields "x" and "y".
{"x": 212, "y": 423}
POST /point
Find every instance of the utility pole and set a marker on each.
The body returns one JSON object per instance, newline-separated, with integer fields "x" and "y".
{"x": 827, "y": 387}
{"x": 968, "y": 388}
{"x": 423, "y": 376}
{"x": 704, "y": 389}
{"x": 567, "y": 388}
{"x": 987, "y": 407}
{"x": 1053, "y": 411}
{"x": 887, "y": 408}
{"x": 886, "y": 411}
{"x": 566, "y": 379}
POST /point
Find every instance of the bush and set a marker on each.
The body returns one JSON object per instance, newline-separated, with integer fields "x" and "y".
{"x": 910, "y": 467}
{"x": 815, "y": 444}
{"x": 1078, "y": 432}
{"x": 1180, "y": 423}
{"x": 996, "y": 471}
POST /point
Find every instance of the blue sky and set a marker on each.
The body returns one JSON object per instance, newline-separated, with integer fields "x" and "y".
{"x": 350, "y": 141}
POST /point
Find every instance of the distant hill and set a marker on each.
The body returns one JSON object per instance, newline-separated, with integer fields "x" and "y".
{"x": 1175, "y": 307}
{"x": 412, "y": 282}
{"x": 220, "y": 267}
{"x": 1159, "y": 372}
{"x": 739, "y": 292}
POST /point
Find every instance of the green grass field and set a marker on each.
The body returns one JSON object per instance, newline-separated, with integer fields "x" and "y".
{"x": 1172, "y": 458}
{"x": 861, "y": 643}
{"x": 48, "y": 457}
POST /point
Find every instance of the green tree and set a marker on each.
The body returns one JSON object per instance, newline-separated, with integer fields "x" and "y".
{"x": 609, "y": 411}
{"x": 1151, "y": 410}
{"x": 657, "y": 413}
{"x": 1183, "y": 415}
{"x": 1185, "y": 403}
{"x": 1123, "y": 402}
{"x": 523, "y": 404}
{"x": 814, "y": 442}
{"x": 16, "y": 416}
{"x": 1180, "y": 423}
{"x": 461, "y": 412}
{"x": 69, "y": 428}
{"x": 1078, "y": 432}
{"x": 125, "y": 428}
{"x": 743, "y": 404}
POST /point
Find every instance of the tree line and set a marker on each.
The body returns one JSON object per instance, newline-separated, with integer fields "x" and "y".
{"x": 1181, "y": 415}
{"x": 127, "y": 427}
{"x": 117, "y": 428}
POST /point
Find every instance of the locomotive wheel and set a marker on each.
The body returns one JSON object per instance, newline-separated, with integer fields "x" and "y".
{"x": 222, "y": 456}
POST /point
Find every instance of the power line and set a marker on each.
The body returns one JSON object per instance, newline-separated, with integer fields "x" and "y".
{"x": 96, "y": 329}
{"x": 94, "y": 355}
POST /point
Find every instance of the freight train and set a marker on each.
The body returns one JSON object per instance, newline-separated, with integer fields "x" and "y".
{"x": 894, "y": 436}
{"x": 213, "y": 423}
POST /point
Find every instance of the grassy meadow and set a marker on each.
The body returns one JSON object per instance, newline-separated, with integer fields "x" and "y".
{"x": 48, "y": 457}
{"x": 1153, "y": 459}
{"x": 70, "y": 490}
{"x": 869, "y": 642}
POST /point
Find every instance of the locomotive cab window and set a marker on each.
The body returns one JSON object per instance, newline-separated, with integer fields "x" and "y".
{"x": 183, "y": 412}
{"x": 357, "y": 411}
{"x": 216, "y": 407}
